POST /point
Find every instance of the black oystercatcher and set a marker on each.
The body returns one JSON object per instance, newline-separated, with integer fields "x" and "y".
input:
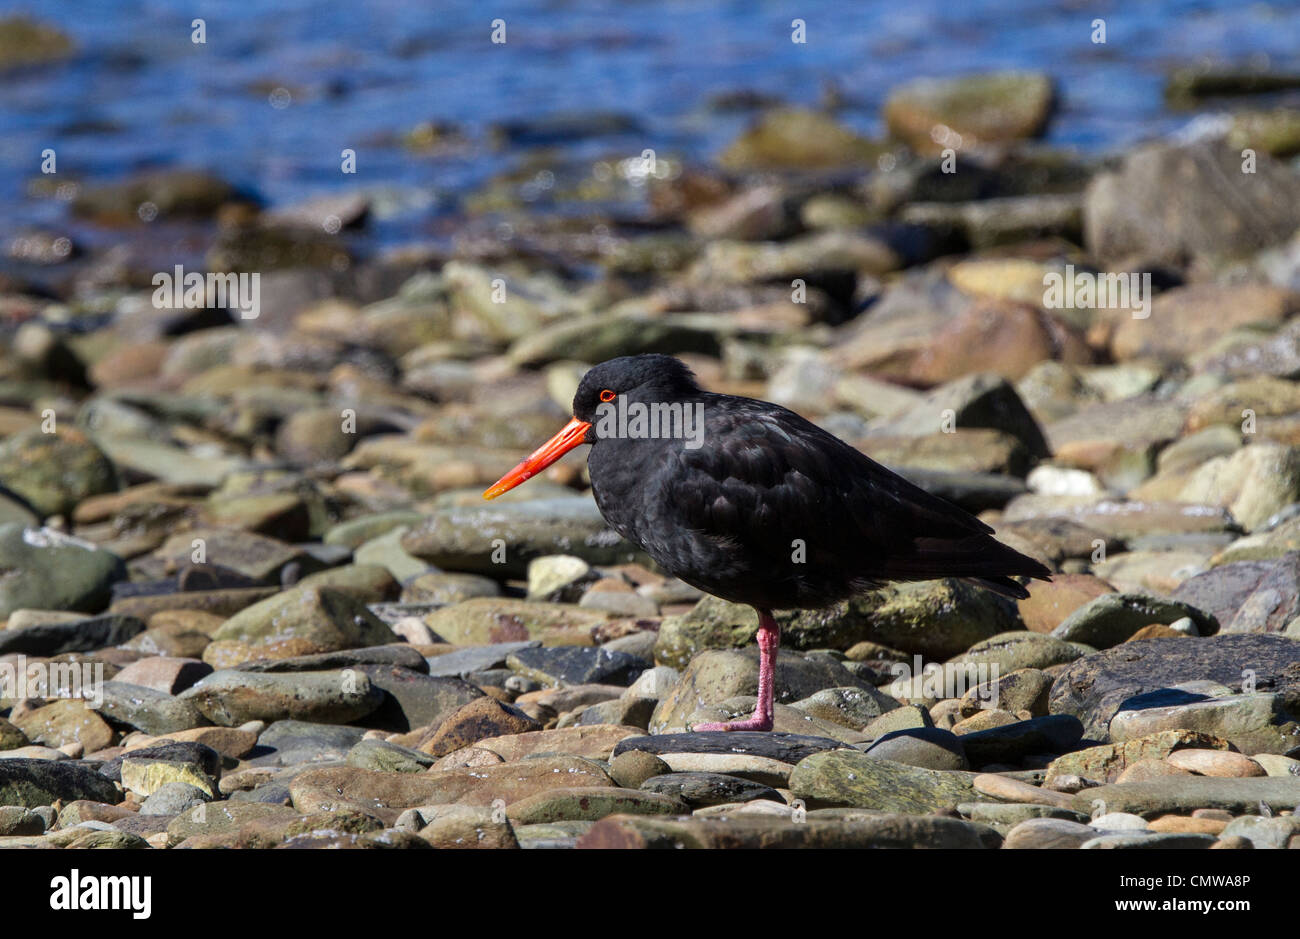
{"x": 748, "y": 501}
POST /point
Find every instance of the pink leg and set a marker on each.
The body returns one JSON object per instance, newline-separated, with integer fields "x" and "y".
{"x": 769, "y": 638}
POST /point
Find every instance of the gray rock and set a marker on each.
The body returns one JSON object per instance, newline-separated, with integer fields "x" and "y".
{"x": 82, "y": 635}
{"x": 153, "y": 712}
{"x": 465, "y": 538}
{"x": 1112, "y": 618}
{"x": 1009, "y": 743}
{"x": 1166, "y": 201}
{"x": 714, "y": 677}
{"x": 1184, "y": 794}
{"x": 290, "y": 742}
{"x": 395, "y": 654}
{"x": 699, "y": 789}
{"x": 1094, "y": 688}
{"x": 173, "y": 798}
{"x": 464, "y": 661}
{"x": 1248, "y": 596}
{"x": 411, "y": 699}
{"x": 1253, "y": 723}
{"x": 230, "y": 698}
{"x": 557, "y": 666}
{"x": 1008, "y": 652}
{"x": 1264, "y": 832}
{"x": 384, "y": 757}
{"x": 1147, "y": 840}
{"x": 48, "y": 570}
{"x": 852, "y": 707}
{"x": 785, "y": 748}
{"x": 1006, "y": 816}
{"x": 1048, "y": 833}
{"x": 926, "y": 747}
{"x": 848, "y": 777}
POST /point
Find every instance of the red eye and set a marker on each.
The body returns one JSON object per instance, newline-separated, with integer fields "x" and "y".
{"x": 607, "y": 395}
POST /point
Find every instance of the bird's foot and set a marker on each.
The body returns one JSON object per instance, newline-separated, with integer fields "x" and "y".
{"x": 754, "y": 723}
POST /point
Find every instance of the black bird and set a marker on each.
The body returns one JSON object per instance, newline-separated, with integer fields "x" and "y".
{"x": 750, "y": 502}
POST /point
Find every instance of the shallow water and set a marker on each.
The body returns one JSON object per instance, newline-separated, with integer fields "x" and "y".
{"x": 140, "y": 93}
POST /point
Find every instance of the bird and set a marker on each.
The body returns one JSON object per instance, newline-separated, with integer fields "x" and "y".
{"x": 750, "y": 502}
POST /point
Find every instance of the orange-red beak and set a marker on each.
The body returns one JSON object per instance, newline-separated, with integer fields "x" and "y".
{"x": 570, "y": 436}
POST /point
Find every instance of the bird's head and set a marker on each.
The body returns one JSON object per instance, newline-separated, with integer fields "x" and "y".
{"x": 648, "y": 379}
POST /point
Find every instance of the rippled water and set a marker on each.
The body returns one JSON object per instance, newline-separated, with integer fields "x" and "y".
{"x": 360, "y": 72}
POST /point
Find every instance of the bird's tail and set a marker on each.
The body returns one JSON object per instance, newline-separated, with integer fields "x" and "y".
{"x": 979, "y": 559}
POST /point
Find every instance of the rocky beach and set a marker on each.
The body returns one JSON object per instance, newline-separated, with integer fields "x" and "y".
{"x": 251, "y": 595}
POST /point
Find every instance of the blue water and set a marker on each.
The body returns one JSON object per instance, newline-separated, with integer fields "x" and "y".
{"x": 141, "y": 94}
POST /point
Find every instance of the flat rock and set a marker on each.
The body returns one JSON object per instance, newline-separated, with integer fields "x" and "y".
{"x": 699, "y": 789}
{"x": 291, "y": 742}
{"x": 1253, "y": 723}
{"x": 394, "y": 654}
{"x": 1096, "y": 687}
{"x": 590, "y": 804}
{"x": 1184, "y": 794}
{"x": 81, "y": 635}
{"x": 482, "y": 620}
{"x": 1054, "y": 733}
{"x": 1108, "y": 761}
{"x": 33, "y": 783}
{"x": 589, "y": 741}
{"x": 1248, "y": 596}
{"x": 231, "y": 698}
{"x": 759, "y": 832}
{"x": 784, "y": 748}
{"x": 461, "y": 662}
{"x": 848, "y": 777}
{"x": 317, "y": 790}
{"x": 464, "y": 538}
{"x": 154, "y": 712}
{"x": 576, "y": 665}
{"x": 411, "y": 699}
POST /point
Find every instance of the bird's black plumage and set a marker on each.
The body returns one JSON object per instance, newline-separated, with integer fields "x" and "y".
{"x": 770, "y": 509}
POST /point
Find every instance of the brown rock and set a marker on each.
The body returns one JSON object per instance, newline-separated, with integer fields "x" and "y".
{"x": 1154, "y": 631}
{"x": 1203, "y": 313}
{"x": 1185, "y": 824}
{"x": 344, "y": 787}
{"x": 1215, "y": 763}
{"x": 1048, "y": 604}
{"x": 130, "y": 364}
{"x": 63, "y": 722}
{"x": 590, "y": 741}
{"x": 163, "y": 673}
{"x": 1106, "y": 762}
{"x": 480, "y": 718}
{"x": 228, "y": 741}
{"x": 1143, "y": 770}
{"x": 1015, "y": 790}
{"x": 996, "y": 336}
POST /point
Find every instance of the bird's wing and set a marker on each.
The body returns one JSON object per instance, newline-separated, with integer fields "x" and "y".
{"x": 766, "y": 476}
